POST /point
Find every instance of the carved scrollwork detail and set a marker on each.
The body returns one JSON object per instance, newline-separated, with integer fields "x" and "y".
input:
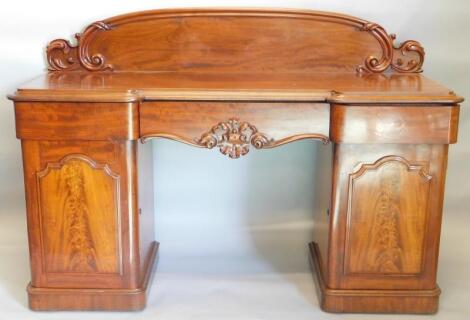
{"x": 369, "y": 26}
{"x": 92, "y": 62}
{"x": 62, "y": 55}
{"x": 411, "y": 65}
{"x": 260, "y": 141}
{"x": 373, "y": 63}
{"x": 233, "y": 138}
{"x": 398, "y": 58}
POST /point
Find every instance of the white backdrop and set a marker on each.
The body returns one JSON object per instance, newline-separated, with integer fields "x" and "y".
{"x": 224, "y": 218}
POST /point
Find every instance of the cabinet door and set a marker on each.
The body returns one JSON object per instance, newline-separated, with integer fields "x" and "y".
{"x": 75, "y": 196}
{"x": 388, "y": 215}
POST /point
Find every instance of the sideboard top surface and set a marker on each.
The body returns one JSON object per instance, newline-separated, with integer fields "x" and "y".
{"x": 329, "y": 87}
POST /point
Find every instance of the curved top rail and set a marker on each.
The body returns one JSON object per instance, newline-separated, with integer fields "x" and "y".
{"x": 235, "y": 40}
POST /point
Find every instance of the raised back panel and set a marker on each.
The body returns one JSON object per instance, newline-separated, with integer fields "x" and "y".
{"x": 235, "y": 40}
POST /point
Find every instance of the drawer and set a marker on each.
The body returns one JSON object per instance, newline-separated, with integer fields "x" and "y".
{"x": 234, "y": 127}
{"x": 394, "y": 124}
{"x": 76, "y": 121}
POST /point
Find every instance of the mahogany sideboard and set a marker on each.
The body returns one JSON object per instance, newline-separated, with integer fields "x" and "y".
{"x": 235, "y": 80}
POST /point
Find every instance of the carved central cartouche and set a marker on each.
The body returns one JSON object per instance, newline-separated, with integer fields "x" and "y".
{"x": 233, "y": 138}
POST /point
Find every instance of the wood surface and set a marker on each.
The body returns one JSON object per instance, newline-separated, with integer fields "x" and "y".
{"x": 370, "y": 301}
{"x": 146, "y": 205}
{"x": 321, "y": 197}
{"x": 235, "y": 80}
{"x": 389, "y": 124}
{"x": 392, "y": 241}
{"x": 79, "y": 204}
{"x": 227, "y": 40}
{"x": 76, "y": 121}
{"x": 102, "y": 299}
{"x": 338, "y": 88}
{"x": 385, "y": 216}
{"x": 237, "y": 127}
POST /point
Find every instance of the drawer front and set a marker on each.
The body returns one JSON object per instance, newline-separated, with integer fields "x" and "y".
{"x": 394, "y": 124}
{"x": 234, "y": 127}
{"x": 76, "y": 121}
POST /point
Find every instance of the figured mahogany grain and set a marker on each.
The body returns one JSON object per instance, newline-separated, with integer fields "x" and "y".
{"x": 103, "y": 201}
{"x": 384, "y": 231}
{"x": 392, "y": 241}
{"x": 77, "y": 197}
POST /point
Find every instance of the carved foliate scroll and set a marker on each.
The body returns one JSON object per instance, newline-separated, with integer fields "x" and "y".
{"x": 233, "y": 138}
{"x": 62, "y": 55}
{"x": 406, "y": 58}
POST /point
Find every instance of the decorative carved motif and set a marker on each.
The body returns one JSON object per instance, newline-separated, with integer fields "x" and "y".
{"x": 233, "y": 138}
{"x": 62, "y": 55}
{"x": 411, "y": 65}
{"x": 394, "y": 57}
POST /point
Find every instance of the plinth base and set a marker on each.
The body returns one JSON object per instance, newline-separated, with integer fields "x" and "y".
{"x": 370, "y": 301}
{"x": 55, "y": 299}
